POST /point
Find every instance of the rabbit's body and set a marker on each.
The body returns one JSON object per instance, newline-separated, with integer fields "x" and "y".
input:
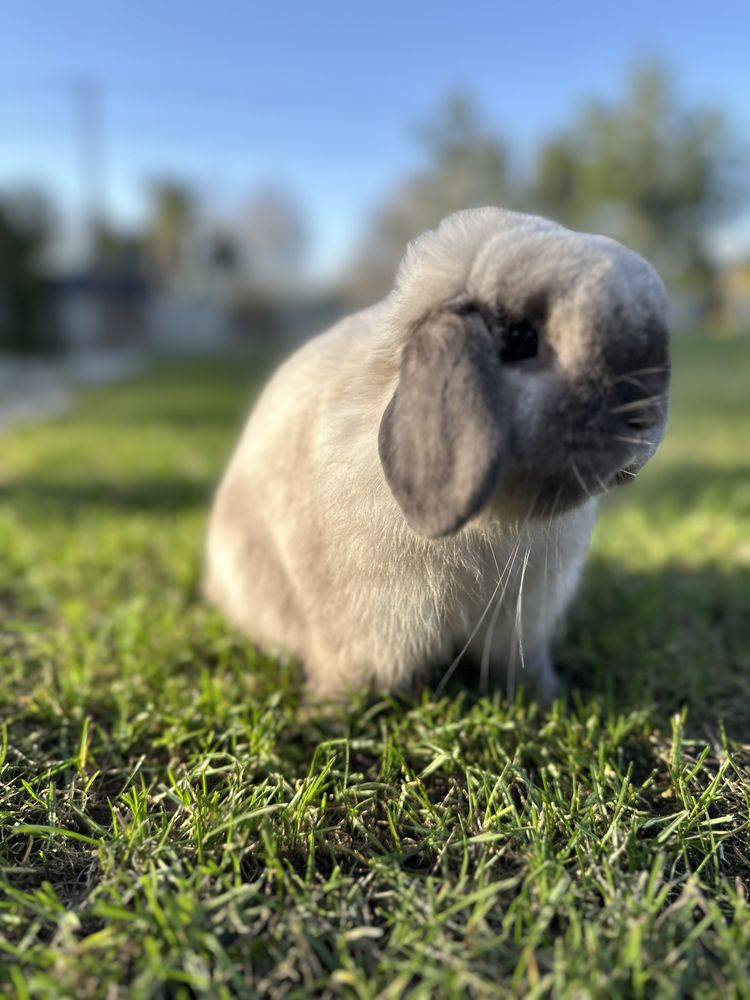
{"x": 317, "y": 544}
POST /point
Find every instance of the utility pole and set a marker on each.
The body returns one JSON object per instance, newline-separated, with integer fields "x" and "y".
{"x": 89, "y": 133}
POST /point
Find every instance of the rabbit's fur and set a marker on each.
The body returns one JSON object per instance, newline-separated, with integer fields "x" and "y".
{"x": 407, "y": 488}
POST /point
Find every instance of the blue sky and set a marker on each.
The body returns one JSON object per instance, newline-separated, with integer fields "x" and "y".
{"x": 324, "y": 98}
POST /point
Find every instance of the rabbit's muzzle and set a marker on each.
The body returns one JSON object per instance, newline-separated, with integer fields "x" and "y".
{"x": 584, "y": 436}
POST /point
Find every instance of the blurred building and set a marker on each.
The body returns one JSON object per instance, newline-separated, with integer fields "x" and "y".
{"x": 735, "y": 293}
{"x": 103, "y": 308}
{"x": 199, "y": 307}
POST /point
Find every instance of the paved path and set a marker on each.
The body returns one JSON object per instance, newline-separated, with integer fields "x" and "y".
{"x": 33, "y": 389}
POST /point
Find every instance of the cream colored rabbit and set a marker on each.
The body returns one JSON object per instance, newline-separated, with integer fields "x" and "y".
{"x": 420, "y": 480}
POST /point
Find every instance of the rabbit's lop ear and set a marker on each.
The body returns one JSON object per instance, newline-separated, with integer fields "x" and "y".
{"x": 442, "y": 434}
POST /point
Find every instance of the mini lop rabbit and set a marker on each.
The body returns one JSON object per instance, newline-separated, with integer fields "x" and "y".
{"x": 420, "y": 481}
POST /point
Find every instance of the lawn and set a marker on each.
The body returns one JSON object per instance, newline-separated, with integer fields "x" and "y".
{"x": 174, "y": 822}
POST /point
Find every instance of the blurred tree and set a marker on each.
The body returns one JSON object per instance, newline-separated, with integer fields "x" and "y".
{"x": 117, "y": 248}
{"x": 220, "y": 261}
{"x": 223, "y": 252}
{"x": 274, "y": 240}
{"x": 650, "y": 172}
{"x": 172, "y": 216}
{"x": 26, "y": 314}
{"x": 467, "y": 167}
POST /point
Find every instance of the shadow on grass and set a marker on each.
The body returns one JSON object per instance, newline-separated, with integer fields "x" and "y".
{"x": 666, "y": 640}
{"x": 184, "y": 393}
{"x": 683, "y": 484}
{"x": 53, "y": 498}
{"x": 676, "y": 637}
{"x": 657, "y": 641}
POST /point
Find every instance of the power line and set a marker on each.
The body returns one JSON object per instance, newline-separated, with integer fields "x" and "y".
{"x": 154, "y": 93}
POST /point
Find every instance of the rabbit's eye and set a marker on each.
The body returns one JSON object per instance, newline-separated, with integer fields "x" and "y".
{"x": 520, "y": 342}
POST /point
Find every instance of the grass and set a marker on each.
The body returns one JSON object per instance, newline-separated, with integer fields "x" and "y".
{"x": 175, "y": 823}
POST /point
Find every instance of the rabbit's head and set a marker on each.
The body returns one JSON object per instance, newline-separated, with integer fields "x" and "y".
{"x": 534, "y": 370}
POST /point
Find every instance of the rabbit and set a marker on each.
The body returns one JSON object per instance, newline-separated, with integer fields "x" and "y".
{"x": 421, "y": 481}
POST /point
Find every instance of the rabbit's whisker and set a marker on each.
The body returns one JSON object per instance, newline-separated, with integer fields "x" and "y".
{"x": 580, "y": 479}
{"x": 484, "y": 669}
{"x": 511, "y": 667}
{"x": 452, "y": 668}
{"x": 656, "y": 370}
{"x": 632, "y": 440}
{"x": 484, "y": 680}
{"x": 519, "y": 607}
{"x": 510, "y": 680}
{"x": 601, "y": 482}
{"x": 638, "y": 404}
{"x": 634, "y": 381}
